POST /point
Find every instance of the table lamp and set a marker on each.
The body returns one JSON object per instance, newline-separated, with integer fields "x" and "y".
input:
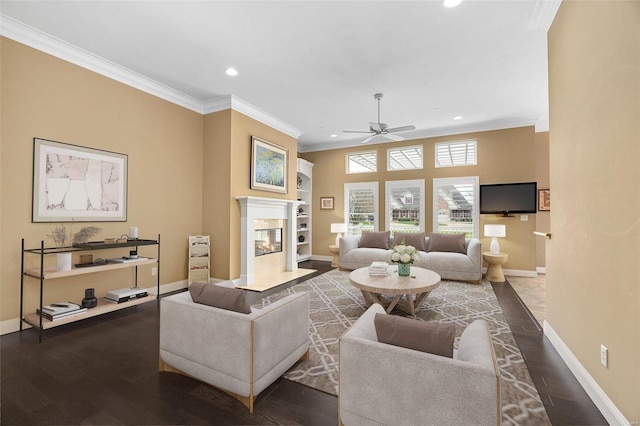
{"x": 339, "y": 228}
{"x": 495, "y": 232}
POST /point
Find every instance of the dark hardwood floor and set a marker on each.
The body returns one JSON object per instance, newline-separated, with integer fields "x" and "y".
{"x": 104, "y": 371}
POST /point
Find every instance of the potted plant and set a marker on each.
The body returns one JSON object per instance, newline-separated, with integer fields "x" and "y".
{"x": 404, "y": 256}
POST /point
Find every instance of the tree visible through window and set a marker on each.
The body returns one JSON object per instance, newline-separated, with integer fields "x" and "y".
{"x": 405, "y": 205}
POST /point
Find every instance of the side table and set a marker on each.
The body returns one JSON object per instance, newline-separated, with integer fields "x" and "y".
{"x": 495, "y": 261}
{"x": 335, "y": 251}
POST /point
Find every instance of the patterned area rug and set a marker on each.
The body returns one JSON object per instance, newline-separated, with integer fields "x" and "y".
{"x": 336, "y": 305}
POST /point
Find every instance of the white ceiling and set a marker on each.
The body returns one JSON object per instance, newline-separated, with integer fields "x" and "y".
{"x": 315, "y": 65}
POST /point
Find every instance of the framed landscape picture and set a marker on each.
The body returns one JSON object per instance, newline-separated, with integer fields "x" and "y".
{"x": 544, "y": 200}
{"x": 268, "y": 166}
{"x": 326, "y": 203}
{"x": 73, "y": 183}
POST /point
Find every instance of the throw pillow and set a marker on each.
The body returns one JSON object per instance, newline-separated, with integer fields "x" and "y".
{"x": 413, "y": 334}
{"x": 415, "y": 240}
{"x": 231, "y": 299}
{"x": 375, "y": 239}
{"x": 447, "y": 242}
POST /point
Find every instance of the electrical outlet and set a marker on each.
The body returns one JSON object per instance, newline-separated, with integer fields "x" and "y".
{"x": 604, "y": 356}
{"x": 524, "y": 218}
{"x": 154, "y": 271}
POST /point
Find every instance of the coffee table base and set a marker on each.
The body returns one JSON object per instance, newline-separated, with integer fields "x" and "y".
{"x": 409, "y": 306}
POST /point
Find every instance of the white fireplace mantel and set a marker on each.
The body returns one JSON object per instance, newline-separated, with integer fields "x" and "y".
{"x": 253, "y": 208}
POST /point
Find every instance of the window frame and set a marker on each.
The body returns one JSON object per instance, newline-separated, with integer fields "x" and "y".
{"x": 389, "y": 150}
{"x": 390, "y": 185}
{"x": 449, "y": 144}
{"x": 461, "y": 180}
{"x": 349, "y": 154}
{"x": 374, "y": 187}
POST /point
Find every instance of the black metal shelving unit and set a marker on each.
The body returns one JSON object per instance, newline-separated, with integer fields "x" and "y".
{"x": 43, "y": 275}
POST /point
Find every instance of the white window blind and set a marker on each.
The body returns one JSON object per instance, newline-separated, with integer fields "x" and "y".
{"x": 361, "y": 207}
{"x": 362, "y": 162}
{"x": 451, "y": 154}
{"x": 405, "y": 205}
{"x": 404, "y": 158}
{"x": 455, "y": 207}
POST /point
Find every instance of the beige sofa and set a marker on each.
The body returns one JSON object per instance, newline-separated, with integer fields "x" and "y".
{"x": 383, "y": 384}
{"x": 241, "y": 354}
{"x": 450, "y": 266}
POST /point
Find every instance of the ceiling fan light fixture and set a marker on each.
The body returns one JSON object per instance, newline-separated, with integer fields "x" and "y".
{"x": 452, "y": 3}
{"x": 231, "y": 71}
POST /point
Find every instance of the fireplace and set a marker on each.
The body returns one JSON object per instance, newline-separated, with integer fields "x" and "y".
{"x": 268, "y": 241}
{"x": 257, "y": 214}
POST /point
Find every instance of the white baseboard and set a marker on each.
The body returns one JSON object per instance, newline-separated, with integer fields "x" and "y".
{"x": 321, "y": 257}
{"x": 516, "y": 272}
{"x": 12, "y": 325}
{"x": 541, "y": 269}
{"x": 595, "y": 392}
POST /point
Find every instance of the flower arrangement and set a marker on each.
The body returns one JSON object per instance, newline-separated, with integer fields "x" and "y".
{"x": 404, "y": 254}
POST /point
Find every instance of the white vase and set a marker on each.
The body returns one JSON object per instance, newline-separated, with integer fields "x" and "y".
{"x": 63, "y": 261}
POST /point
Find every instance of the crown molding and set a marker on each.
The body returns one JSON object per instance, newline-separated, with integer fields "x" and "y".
{"x": 486, "y": 126}
{"x": 543, "y": 14}
{"x": 46, "y": 43}
{"x": 244, "y": 107}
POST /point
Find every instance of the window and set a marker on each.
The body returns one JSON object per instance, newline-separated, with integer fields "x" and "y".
{"x": 362, "y": 162}
{"x": 405, "y": 158}
{"x": 461, "y": 153}
{"x": 455, "y": 207}
{"x": 361, "y": 207}
{"x": 405, "y": 205}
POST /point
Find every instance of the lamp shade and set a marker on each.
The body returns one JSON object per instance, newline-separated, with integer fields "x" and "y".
{"x": 339, "y": 228}
{"x": 495, "y": 230}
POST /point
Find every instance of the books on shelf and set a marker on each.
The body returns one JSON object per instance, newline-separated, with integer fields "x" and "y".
{"x": 126, "y": 259}
{"x": 378, "y": 268}
{"x": 57, "y": 311}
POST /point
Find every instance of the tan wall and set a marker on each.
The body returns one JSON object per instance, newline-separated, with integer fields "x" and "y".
{"x": 542, "y": 176}
{"x": 228, "y": 155}
{"x": 46, "y": 97}
{"x": 503, "y": 156}
{"x": 593, "y": 290}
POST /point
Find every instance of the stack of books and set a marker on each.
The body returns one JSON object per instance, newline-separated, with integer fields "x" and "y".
{"x": 56, "y": 311}
{"x": 378, "y": 269}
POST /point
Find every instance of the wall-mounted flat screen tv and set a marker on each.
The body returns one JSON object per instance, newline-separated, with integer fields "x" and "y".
{"x": 508, "y": 198}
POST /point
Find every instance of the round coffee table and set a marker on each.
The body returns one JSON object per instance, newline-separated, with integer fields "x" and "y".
{"x": 420, "y": 283}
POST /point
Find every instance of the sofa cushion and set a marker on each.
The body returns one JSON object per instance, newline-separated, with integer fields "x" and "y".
{"x": 410, "y": 239}
{"x": 454, "y": 243}
{"x": 413, "y": 334}
{"x": 375, "y": 239}
{"x": 231, "y": 299}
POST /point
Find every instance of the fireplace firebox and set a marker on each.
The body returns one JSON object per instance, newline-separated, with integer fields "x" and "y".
{"x": 268, "y": 241}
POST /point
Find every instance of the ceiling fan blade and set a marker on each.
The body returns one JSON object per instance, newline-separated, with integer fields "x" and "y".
{"x": 357, "y": 131}
{"x": 401, "y": 128}
{"x": 368, "y": 139}
{"x": 393, "y": 137}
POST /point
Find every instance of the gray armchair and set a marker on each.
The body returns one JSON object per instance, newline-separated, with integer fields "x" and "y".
{"x": 241, "y": 354}
{"x": 389, "y": 385}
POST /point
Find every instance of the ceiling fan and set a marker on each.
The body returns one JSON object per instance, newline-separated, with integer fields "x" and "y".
{"x": 381, "y": 129}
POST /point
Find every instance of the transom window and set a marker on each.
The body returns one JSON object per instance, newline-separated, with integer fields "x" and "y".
{"x": 460, "y": 153}
{"x": 362, "y": 162}
{"x": 405, "y": 158}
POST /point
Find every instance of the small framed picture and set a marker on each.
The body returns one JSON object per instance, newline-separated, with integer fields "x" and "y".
{"x": 544, "y": 200}
{"x": 326, "y": 203}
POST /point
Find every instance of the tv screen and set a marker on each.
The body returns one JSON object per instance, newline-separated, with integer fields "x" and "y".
{"x": 507, "y": 198}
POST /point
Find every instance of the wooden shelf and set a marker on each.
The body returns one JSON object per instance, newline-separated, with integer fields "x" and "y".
{"x": 52, "y": 273}
{"x": 103, "y": 307}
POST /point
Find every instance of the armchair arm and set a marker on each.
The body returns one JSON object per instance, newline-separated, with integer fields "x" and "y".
{"x": 391, "y": 385}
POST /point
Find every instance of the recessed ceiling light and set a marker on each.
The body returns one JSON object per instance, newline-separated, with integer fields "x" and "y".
{"x": 334, "y": 135}
{"x": 231, "y": 71}
{"x": 457, "y": 117}
{"x": 452, "y": 3}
